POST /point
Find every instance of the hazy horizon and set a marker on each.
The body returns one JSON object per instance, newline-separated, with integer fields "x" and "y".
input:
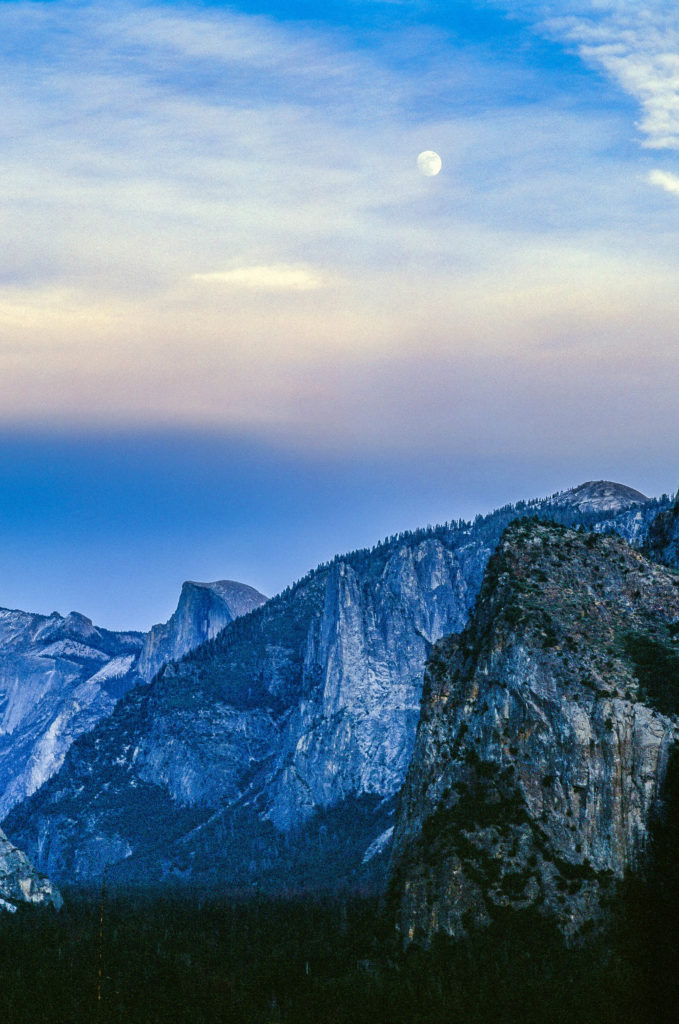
{"x": 111, "y": 527}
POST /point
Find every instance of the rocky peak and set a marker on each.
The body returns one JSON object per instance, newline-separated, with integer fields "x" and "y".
{"x": 544, "y": 736}
{"x": 73, "y": 626}
{"x": 204, "y": 609}
{"x": 239, "y": 598}
{"x": 600, "y": 496}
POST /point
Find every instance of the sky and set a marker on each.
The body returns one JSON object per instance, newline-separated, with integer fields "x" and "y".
{"x": 241, "y": 332}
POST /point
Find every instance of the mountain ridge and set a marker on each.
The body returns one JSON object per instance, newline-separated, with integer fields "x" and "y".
{"x": 308, "y": 703}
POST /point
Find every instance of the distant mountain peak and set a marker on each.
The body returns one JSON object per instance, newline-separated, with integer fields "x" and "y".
{"x": 59, "y": 675}
{"x": 600, "y": 496}
{"x": 204, "y": 609}
{"x": 238, "y": 597}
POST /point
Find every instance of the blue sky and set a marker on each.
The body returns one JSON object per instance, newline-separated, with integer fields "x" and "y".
{"x": 240, "y": 332}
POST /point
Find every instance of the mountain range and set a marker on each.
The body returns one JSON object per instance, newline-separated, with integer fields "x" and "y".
{"x": 273, "y": 754}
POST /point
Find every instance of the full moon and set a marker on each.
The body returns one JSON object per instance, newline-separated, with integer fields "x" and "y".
{"x": 429, "y": 163}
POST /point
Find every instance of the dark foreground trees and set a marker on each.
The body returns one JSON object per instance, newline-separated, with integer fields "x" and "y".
{"x": 184, "y": 957}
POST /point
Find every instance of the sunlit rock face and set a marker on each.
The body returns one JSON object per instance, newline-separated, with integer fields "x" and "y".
{"x": 352, "y": 728}
{"x": 601, "y": 496}
{"x": 21, "y": 883}
{"x": 544, "y": 738}
{"x": 307, "y": 704}
{"x": 58, "y": 677}
{"x": 204, "y": 609}
{"x": 310, "y": 699}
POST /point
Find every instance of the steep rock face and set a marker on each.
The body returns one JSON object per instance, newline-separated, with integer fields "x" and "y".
{"x": 353, "y": 728}
{"x": 310, "y": 699}
{"x": 58, "y": 677}
{"x": 20, "y": 882}
{"x": 662, "y": 543}
{"x": 544, "y": 737}
{"x": 204, "y": 609}
{"x": 309, "y": 703}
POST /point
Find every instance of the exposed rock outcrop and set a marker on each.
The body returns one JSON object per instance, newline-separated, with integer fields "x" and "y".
{"x": 59, "y": 675}
{"x": 662, "y": 543}
{"x": 204, "y": 609}
{"x": 20, "y": 882}
{"x": 600, "y": 496}
{"x": 544, "y": 737}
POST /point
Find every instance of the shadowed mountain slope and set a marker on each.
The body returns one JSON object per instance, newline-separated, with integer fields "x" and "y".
{"x": 544, "y": 738}
{"x": 662, "y": 543}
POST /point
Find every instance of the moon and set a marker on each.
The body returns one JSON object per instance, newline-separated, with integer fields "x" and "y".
{"x": 429, "y": 163}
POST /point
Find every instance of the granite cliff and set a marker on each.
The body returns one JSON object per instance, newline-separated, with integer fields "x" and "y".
{"x": 287, "y": 737}
{"x": 59, "y": 675}
{"x": 204, "y": 609}
{"x": 662, "y": 541}
{"x": 21, "y": 883}
{"x": 545, "y": 734}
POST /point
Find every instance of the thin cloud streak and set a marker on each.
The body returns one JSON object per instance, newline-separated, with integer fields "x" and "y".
{"x": 472, "y": 368}
{"x": 277, "y": 278}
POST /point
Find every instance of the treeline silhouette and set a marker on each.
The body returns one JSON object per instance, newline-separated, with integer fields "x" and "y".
{"x": 187, "y": 957}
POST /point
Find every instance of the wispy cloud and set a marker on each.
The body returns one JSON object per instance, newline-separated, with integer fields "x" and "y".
{"x": 642, "y": 55}
{"x": 669, "y": 182}
{"x": 276, "y": 278}
{"x": 634, "y": 44}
